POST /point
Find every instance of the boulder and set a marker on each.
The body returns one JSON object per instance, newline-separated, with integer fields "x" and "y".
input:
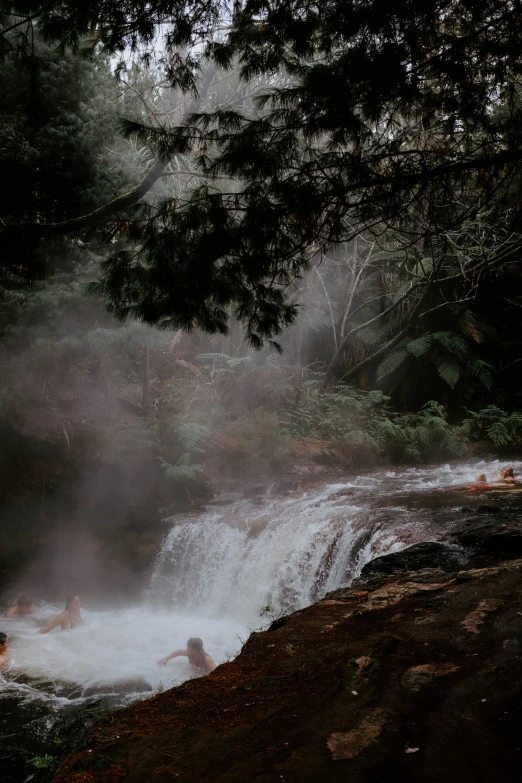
{"x": 429, "y": 554}
{"x": 416, "y": 678}
{"x": 494, "y": 537}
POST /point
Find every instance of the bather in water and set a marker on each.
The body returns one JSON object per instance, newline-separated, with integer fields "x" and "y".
{"x": 4, "y": 654}
{"x": 22, "y": 607}
{"x": 200, "y": 661}
{"x": 69, "y": 618}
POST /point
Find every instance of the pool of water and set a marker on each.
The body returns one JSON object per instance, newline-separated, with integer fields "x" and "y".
{"x": 217, "y": 572}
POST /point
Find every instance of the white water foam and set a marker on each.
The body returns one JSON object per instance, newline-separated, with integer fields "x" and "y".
{"x": 115, "y": 652}
{"x": 287, "y": 552}
{"x": 218, "y": 570}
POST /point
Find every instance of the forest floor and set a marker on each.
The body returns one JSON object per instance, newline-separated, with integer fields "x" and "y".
{"x": 413, "y": 675}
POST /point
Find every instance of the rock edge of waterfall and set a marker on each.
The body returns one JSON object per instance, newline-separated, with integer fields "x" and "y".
{"x": 412, "y": 673}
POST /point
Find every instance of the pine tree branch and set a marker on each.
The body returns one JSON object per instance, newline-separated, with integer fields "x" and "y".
{"x": 122, "y": 202}
{"x": 26, "y": 19}
{"x": 43, "y": 230}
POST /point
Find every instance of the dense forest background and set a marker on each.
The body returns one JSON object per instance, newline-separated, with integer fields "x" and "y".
{"x": 191, "y": 298}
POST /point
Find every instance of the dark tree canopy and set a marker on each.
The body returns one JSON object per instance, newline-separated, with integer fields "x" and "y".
{"x": 400, "y": 114}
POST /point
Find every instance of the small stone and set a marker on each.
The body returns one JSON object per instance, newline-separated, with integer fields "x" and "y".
{"x": 411, "y": 750}
{"x": 348, "y": 745}
{"x": 418, "y": 676}
{"x": 355, "y": 693}
{"x": 363, "y": 662}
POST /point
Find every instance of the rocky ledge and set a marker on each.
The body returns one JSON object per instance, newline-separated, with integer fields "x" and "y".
{"x": 411, "y": 675}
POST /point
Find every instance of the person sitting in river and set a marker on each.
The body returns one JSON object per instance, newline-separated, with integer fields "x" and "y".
{"x": 200, "y": 661}
{"x": 4, "y": 654}
{"x": 504, "y": 476}
{"x": 23, "y": 606}
{"x": 502, "y": 479}
{"x": 69, "y": 618}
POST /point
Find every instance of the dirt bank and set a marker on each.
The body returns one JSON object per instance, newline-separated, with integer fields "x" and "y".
{"x": 412, "y": 676}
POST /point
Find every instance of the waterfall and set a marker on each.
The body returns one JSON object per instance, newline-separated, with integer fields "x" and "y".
{"x": 244, "y": 559}
{"x": 237, "y": 559}
{"x": 217, "y": 572}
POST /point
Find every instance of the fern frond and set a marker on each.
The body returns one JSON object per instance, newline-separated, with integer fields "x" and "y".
{"x": 451, "y": 342}
{"x": 182, "y": 470}
{"x": 193, "y": 436}
{"x": 499, "y": 434}
{"x": 480, "y": 370}
{"x": 392, "y": 363}
{"x": 421, "y": 345}
{"x": 368, "y": 336}
{"x": 448, "y": 369}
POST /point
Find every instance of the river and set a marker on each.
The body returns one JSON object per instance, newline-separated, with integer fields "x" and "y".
{"x": 220, "y": 574}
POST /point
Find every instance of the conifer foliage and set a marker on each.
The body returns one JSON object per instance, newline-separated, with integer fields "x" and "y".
{"x": 394, "y": 113}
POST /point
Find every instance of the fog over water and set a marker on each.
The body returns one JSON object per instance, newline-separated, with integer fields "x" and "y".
{"x": 216, "y": 573}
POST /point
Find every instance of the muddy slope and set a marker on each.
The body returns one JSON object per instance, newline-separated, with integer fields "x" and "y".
{"x": 413, "y": 676}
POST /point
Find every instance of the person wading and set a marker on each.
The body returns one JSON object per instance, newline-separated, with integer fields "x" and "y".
{"x": 69, "y": 618}
{"x": 23, "y": 606}
{"x": 200, "y": 661}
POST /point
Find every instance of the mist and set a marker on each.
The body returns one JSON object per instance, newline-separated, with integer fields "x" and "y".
{"x": 231, "y": 375}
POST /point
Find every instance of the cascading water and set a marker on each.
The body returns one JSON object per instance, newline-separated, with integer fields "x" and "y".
{"x": 215, "y": 576}
{"x": 243, "y": 559}
{"x": 285, "y": 553}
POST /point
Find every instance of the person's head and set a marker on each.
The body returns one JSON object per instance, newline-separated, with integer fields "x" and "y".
{"x": 24, "y": 604}
{"x": 72, "y": 602}
{"x": 3, "y": 642}
{"x": 508, "y": 472}
{"x": 195, "y": 644}
{"x": 481, "y": 478}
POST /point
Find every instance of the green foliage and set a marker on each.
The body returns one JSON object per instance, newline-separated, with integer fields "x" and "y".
{"x": 182, "y": 471}
{"x": 448, "y": 351}
{"x": 353, "y": 418}
{"x": 499, "y": 426}
{"x": 193, "y": 436}
{"x": 332, "y": 415}
{"x": 448, "y": 369}
{"x": 306, "y": 161}
{"x": 392, "y": 362}
{"x": 419, "y": 437}
{"x": 45, "y": 763}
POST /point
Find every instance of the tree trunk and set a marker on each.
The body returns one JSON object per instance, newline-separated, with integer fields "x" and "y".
{"x": 145, "y": 376}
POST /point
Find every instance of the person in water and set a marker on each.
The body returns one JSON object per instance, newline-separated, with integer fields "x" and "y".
{"x": 23, "y": 606}
{"x": 502, "y": 479}
{"x": 504, "y": 476}
{"x": 200, "y": 661}
{"x": 69, "y": 618}
{"x": 4, "y": 654}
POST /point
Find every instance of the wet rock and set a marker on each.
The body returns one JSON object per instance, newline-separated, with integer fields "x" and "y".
{"x": 363, "y": 662}
{"x": 490, "y": 536}
{"x": 490, "y": 509}
{"x": 415, "y": 558}
{"x": 417, "y": 677}
{"x": 476, "y": 618}
{"x": 353, "y": 688}
{"x": 348, "y": 745}
{"x": 280, "y": 622}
